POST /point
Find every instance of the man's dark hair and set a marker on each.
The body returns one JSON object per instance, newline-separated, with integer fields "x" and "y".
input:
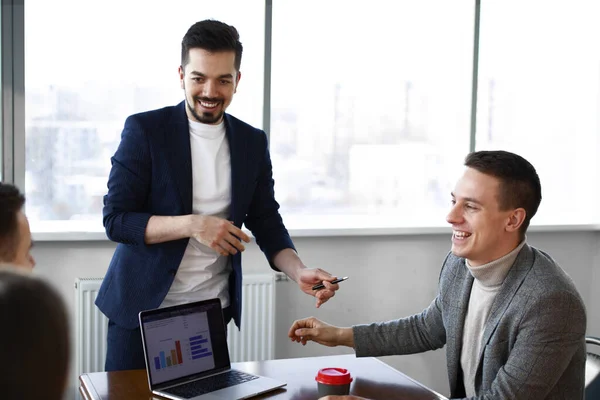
{"x": 213, "y": 36}
{"x": 34, "y": 337}
{"x": 520, "y": 185}
{"x": 11, "y": 202}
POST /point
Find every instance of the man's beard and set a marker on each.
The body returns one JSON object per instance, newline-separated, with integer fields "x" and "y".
{"x": 206, "y": 117}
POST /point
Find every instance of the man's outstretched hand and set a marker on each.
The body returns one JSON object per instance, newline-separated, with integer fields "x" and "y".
{"x": 309, "y": 277}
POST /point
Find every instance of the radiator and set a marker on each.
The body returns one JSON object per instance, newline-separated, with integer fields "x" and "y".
{"x": 90, "y": 328}
{"x": 255, "y": 342}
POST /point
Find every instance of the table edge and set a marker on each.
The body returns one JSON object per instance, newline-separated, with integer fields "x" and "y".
{"x": 88, "y": 386}
{"x": 440, "y": 397}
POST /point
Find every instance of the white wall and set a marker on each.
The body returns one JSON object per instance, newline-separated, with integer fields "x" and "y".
{"x": 390, "y": 277}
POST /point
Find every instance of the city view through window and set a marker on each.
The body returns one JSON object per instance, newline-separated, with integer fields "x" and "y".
{"x": 370, "y": 117}
{"x": 539, "y": 96}
{"x": 84, "y": 76}
{"x": 370, "y": 106}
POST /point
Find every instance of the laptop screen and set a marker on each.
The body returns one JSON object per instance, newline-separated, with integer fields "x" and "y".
{"x": 184, "y": 342}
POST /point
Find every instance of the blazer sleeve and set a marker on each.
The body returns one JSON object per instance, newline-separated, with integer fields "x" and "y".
{"x": 549, "y": 335}
{"x": 263, "y": 218}
{"x": 414, "y": 334}
{"x": 124, "y": 215}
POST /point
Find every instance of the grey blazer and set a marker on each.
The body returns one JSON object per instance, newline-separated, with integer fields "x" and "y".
{"x": 533, "y": 344}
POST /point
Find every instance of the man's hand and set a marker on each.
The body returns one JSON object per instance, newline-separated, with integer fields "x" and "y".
{"x": 309, "y": 277}
{"x": 217, "y": 233}
{"x": 311, "y": 328}
{"x": 288, "y": 262}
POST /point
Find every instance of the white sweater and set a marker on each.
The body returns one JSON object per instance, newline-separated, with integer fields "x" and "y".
{"x": 487, "y": 284}
{"x": 204, "y": 273}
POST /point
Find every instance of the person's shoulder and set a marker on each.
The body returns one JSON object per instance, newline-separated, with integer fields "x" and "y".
{"x": 239, "y": 125}
{"x": 157, "y": 116}
{"x": 547, "y": 276}
{"x": 548, "y": 287}
{"x": 544, "y": 264}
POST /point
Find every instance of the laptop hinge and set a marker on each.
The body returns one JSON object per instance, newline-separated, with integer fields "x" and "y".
{"x": 183, "y": 381}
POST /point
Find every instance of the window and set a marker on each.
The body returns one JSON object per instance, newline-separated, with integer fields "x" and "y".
{"x": 539, "y": 96}
{"x": 370, "y": 103}
{"x": 89, "y": 68}
{"x": 370, "y": 110}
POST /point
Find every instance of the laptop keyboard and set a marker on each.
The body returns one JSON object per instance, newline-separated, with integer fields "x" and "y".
{"x": 210, "y": 384}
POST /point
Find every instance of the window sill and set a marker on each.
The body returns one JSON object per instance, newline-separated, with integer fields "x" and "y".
{"x": 68, "y": 232}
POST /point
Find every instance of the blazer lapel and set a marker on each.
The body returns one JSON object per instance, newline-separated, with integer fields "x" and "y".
{"x": 239, "y": 158}
{"x": 511, "y": 284}
{"x": 179, "y": 154}
{"x": 460, "y": 302}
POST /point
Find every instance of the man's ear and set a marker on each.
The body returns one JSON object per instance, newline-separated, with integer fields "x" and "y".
{"x": 237, "y": 81}
{"x": 516, "y": 219}
{"x": 181, "y": 76}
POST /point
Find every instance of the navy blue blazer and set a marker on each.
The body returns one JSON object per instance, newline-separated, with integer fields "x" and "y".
{"x": 151, "y": 174}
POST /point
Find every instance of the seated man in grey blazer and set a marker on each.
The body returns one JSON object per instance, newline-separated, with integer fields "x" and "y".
{"x": 511, "y": 318}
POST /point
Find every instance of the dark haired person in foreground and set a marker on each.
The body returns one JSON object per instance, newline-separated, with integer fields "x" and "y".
{"x": 15, "y": 236}
{"x": 35, "y": 338}
{"x": 511, "y": 319}
{"x": 183, "y": 181}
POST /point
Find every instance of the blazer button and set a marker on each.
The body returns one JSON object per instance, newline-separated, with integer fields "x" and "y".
{"x": 173, "y": 272}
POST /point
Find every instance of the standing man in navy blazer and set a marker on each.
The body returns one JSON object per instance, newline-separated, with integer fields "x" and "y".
{"x": 183, "y": 181}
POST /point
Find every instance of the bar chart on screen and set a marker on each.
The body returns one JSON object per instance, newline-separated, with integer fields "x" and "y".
{"x": 178, "y": 344}
{"x": 196, "y": 347}
{"x": 170, "y": 357}
{"x": 176, "y": 352}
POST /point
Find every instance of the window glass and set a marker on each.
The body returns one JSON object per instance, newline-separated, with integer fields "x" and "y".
{"x": 539, "y": 96}
{"x": 93, "y": 64}
{"x": 370, "y": 110}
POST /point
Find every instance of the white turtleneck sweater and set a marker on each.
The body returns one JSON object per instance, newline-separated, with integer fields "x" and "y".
{"x": 488, "y": 281}
{"x": 204, "y": 273}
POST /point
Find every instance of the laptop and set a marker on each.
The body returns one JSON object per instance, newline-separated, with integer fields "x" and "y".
{"x": 187, "y": 357}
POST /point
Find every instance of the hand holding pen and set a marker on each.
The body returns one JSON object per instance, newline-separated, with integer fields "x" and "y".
{"x": 321, "y": 286}
{"x": 308, "y": 278}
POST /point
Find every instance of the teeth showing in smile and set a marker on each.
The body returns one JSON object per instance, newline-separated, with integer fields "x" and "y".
{"x": 207, "y": 104}
{"x": 461, "y": 235}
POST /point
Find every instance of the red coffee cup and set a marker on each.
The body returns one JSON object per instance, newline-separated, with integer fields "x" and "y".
{"x": 333, "y": 381}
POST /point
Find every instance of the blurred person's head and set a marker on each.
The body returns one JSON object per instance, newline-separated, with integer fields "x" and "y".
{"x": 35, "y": 338}
{"x": 15, "y": 236}
{"x": 492, "y": 205}
{"x": 211, "y": 55}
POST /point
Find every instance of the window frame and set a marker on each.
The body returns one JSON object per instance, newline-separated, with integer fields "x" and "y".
{"x": 13, "y": 92}
{"x": 12, "y": 131}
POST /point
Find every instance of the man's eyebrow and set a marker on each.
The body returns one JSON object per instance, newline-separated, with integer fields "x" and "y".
{"x": 472, "y": 200}
{"x": 469, "y": 199}
{"x": 196, "y": 73}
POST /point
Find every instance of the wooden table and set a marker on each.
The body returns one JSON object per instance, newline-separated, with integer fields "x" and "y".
{"x": 373, "y": 379}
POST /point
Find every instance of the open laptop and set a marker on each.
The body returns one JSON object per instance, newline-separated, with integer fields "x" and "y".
{"x": 185, "y": 348}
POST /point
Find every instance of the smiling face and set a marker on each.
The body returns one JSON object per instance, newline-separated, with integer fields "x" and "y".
{"x": 481, "y": 231}
{"x": 209, "y": 81}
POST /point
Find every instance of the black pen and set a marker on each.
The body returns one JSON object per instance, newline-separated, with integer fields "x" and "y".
{"x": 321, "y": 286}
